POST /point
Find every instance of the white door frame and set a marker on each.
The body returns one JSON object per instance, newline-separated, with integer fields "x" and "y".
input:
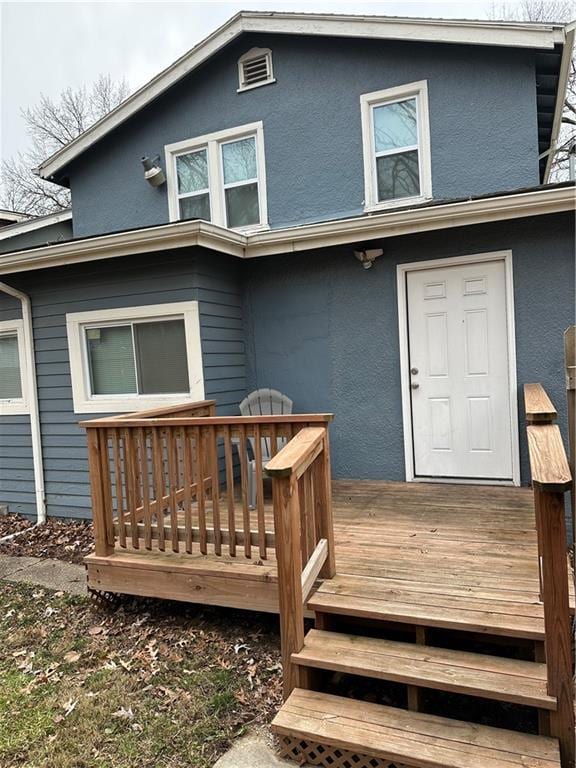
{"x": 401, "y": 274}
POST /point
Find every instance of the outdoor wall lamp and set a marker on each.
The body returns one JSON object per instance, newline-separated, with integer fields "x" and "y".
{"x": 153, "y": 173}
{"x": 368, "y": 257}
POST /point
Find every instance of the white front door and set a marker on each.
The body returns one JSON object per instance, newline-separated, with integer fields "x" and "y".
{"x": 459, "y": 371}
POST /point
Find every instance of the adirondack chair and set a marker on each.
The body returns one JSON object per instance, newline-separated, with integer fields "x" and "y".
{"x": 263, "y": 402}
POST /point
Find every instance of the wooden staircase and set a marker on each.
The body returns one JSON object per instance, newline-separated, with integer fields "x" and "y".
{"x": 357, "y": 628}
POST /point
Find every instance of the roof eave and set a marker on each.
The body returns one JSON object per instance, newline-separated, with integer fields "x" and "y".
{"x": 564, "y": 74}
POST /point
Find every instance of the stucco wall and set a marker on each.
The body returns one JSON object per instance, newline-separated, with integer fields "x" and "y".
{"x": 325, "y": 331}
{"x": 188, "y": 275}
{"x": 482, "y": 119}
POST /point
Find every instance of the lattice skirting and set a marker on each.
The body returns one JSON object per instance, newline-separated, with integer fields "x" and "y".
{"x": 311, "y": 753}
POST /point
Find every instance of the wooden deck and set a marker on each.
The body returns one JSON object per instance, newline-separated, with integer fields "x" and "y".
{"x": 454, "y": 556}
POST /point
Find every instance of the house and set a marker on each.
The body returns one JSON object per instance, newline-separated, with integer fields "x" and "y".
{"x": 356, "y": 211}
{"x": 290, "y": 143}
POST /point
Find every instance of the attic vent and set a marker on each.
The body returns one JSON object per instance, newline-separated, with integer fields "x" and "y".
{"x": 255, "y": 68}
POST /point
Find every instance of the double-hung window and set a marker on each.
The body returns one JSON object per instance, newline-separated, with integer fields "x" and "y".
{"x": 219, "y": 178}
{"x": 13, "y": 394}
{"x": 126, "y": 359}
{"x": 396, "y": 140}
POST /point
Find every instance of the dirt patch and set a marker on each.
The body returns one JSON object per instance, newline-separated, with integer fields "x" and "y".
{"x": 147, "y": 684}
{"x": 68, "y": 540}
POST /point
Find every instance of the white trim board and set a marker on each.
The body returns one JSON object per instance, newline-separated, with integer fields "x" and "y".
{"x": 516, "y": 34}
{"x": 477, "y": 258}
{"x": 30, "y": 225}
{"x": 377, "y": 226}
{"x": 85, "y": 402}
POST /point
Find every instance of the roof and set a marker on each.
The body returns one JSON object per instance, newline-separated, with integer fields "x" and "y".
{"x": 11, "y": 216}
{"x": 550, "y": 38}
{"x": 447, "y": 214}
{"x": 29, "y": 225}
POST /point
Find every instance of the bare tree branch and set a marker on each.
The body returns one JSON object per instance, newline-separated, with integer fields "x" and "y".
{"x": 51, "y": 124}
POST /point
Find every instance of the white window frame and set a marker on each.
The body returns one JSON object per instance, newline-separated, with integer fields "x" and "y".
{"x": 212, "y": 142}
{"x": 368, "y": 102}
{"x": 255, "y": 53}
{"x": 76, "y": 324}
{"x": 17, "y": 406}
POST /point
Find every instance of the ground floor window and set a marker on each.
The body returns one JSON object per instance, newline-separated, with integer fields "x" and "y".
{"x": 13, "y": 399}
{"x": 125, "y": 359}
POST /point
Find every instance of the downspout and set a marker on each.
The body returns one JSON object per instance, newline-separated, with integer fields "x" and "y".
{"x": 32, "y": 389}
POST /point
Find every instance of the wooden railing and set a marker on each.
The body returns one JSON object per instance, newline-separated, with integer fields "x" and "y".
{"x": 303, "y": 523}
{"x": 177, "y": 479}
{"x": 551, "y": 479}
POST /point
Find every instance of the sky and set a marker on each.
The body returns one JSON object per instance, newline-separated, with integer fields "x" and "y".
{"x": 46, "y": 47}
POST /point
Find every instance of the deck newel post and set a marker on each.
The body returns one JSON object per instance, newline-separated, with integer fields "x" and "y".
{"x": 98, "y": 465}
{"x": 558, "y": 637}
{"x": 289, "y": 564}
{"x": 324, "y": 515}
{"x": 570, "y": 365}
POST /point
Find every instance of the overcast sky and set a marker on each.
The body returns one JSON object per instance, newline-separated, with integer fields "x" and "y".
{"x": 46, "y": 46}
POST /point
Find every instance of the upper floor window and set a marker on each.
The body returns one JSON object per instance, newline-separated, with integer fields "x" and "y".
{"x": 396, "y": 140}
{"x": 220, "y": 178}
{"x": 255, "y": 69}
{"x": 13, "y": 399}
{"x": 125, "y": 359}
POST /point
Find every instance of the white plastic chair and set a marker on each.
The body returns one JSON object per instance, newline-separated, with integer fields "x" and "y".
{"x": 263, "y": 402}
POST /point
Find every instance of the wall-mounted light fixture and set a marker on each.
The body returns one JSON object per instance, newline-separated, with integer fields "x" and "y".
{"x": 368, "y": 256}
{"x": 153, "y": 173}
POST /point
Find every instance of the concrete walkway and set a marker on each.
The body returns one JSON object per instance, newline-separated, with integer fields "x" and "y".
{"x": 252, "y": 752}
{"x": 52, "y": 574}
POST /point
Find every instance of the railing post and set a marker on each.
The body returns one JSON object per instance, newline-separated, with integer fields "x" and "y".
{"x": 570, "y": 365}
{"x": 99, "y": 476}
{"x": 550, "y": 511}
{"x": 289, "y": 564}
{"x": 323, "y": 502}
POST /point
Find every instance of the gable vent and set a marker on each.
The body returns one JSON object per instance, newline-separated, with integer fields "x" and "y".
{"x": 255, "y": 68}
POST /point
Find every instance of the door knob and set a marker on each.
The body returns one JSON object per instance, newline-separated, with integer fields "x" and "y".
{"x": 413, "y": 371}
{"x": 414, "y": 385}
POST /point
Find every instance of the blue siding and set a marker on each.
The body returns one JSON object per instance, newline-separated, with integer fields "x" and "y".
{"x": 211, "y": 279}
{"x": 482, "y": 115}
{"x": 45, "y": 236}
{"x": 16, "y": 468}
{"x": 325, "y": 331}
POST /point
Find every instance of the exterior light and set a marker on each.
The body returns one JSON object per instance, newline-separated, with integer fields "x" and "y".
{"x": 153, "y": 173}
{"x": 368, "y": 256}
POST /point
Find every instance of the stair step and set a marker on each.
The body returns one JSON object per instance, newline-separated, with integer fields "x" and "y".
{"x": 474, "y": 674}
{"x": 309, "y": 718}
{"x": 508, "y": 615}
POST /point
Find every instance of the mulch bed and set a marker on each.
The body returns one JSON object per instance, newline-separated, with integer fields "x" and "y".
{"x": 68, "y": 540}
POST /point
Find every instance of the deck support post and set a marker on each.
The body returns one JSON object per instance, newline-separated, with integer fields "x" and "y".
{"x": 550, "y": 512}
{"x": 323, "y": 503}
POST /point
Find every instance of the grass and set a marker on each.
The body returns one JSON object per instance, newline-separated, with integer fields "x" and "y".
{"x": 146, "y": 685}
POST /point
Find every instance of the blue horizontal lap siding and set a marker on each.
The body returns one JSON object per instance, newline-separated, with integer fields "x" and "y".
{"x": 16, "y": 463}
{"x": 483, "y": 126}
{"x": 209, "y": 278}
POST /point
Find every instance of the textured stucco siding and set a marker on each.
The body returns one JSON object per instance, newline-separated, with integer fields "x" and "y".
{"x": 209, "y": 278}
{"x": 16, "y": 467}
{"x": 482, "y": 120}
{"x": 45, "y": 236}
{"x": 325, "y": 331}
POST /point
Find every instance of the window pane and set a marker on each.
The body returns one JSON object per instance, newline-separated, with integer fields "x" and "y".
{"x": 239, "y": 160}
{"x": 162, "y": 358}
{"x": 192, "y": 170}
{"x": 395, "y": 125}
{"x": 10, "y": 381}
{"x": 197, "y": 207}
{"x": 242, "y": 206}
{"x": 111, "y": 360}
{"x": 398, "y": 176}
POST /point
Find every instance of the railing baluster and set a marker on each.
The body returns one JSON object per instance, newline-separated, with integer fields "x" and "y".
{"x": 215, "y": 473}
{"x": 118, "y": 477}
{"x": 200, "y": 492}
{"x": 144, "y": 473}
{"x": 244, "y": 484}
{"x": 172, "y": 456}
{"x": 157, "y": 461}
{"x": 259, "y": 492}
{"x": 131, "y": 497}
{"x": 230, "y": 491}
{"x": 187, "y": 473}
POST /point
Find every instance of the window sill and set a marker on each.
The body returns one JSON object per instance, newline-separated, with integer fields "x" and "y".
{"x": 14, "y": 408}
{"x": 122, "y": 404}
{"x": 255, "y": 85}
{"x": 400, "y": 203}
